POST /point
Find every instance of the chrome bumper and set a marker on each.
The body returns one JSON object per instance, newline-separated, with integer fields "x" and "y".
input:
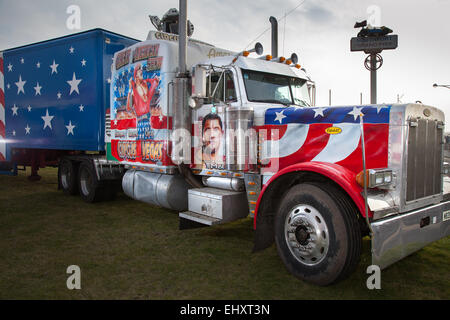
{"x": 397, "y": 237}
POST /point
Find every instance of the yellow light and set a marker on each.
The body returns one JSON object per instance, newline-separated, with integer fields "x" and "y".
{"x": 360, "y": 178}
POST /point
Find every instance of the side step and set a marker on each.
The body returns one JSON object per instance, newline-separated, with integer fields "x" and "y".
{"x": 190, "y": 220}
{"x": 211, "y": 206}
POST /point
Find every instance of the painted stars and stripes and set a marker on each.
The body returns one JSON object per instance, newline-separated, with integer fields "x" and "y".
{"x": 297, "y": 135}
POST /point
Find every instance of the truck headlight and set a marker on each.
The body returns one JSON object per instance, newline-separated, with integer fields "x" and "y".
{"x": 375, "y": 178}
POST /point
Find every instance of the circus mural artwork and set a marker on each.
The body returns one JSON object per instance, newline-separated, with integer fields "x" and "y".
{"x": 138, "y": 123}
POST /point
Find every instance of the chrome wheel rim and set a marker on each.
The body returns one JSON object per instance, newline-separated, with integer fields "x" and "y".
{"x": 65, "y": 176}
{"x": 85, "y": 181}
{"x": 306, "y": 234}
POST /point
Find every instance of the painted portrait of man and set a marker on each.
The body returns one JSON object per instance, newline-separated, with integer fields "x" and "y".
{"x": 211, "y": 155}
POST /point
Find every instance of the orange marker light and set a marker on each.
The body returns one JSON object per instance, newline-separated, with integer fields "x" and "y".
{"x": 245, "y": 53}
{"x": 268, "y": 57}
{"x": 288, "y": 61}
{"x": 360, "y": 178}
{"x": 282, "y": 59}
{"x": 298, "y": 66}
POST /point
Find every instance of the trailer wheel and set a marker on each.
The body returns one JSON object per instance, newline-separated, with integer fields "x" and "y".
{"x": 90, "y": 188}
{"x": 317, "y": 234}
{"x": 67, "y": 175}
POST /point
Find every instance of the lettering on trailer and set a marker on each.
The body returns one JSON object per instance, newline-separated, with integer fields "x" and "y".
{"x": 127, "y": 149}
{"x": 145, "y": 52}
{"x": 154, "y": 64}
{"x": 166, "y": 36}
{"x": 152, "y": 151}
{"x": 122, "y": 59}
{"x": 213, "y": 53}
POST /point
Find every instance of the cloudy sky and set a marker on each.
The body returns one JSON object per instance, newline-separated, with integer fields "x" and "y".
{"x": 319, "y": 31}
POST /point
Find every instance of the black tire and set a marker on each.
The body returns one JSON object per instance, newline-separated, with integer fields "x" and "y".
{"x": 91, "y": 190}
{"x": 67, "y": 176}
{"x": 322, "y": 222}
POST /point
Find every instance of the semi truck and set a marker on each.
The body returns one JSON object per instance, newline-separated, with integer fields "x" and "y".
{"x": 218, "y": 135}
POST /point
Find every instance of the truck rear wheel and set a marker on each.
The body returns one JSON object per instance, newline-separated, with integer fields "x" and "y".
{"x": 67, "y": 175}
{"x": 90, "y": 188}
{"x": 317, "y": 234}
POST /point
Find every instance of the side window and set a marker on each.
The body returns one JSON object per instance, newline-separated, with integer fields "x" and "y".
{"x": 223, "y": 84}
{"x": 230, "y": 91}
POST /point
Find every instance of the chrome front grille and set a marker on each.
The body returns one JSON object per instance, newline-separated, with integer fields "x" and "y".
{"x": 424, "y": 159}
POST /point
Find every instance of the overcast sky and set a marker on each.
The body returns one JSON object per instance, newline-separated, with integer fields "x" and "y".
{"x": 319, "y": 31}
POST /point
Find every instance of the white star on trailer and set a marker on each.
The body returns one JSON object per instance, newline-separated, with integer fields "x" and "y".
{"x": 318, "y": 112}
{"x": 74, "y": 84}
{"x": 58, "y": 95}
{"x": 38, "y": 65}
{"x": 37, "y": 89}
{"x": 70, "y": 128}
{"x": 81, "y": 108}
{"x": 47, "y": 120}
{"x": 29, "y": 108}
{"x": 14, "y": 110}
{"x": 10, "y": 67}
{"x": 356, "y": 112}
{"x": 14, "y": 133}
{"x": 8, "y": 85}
{"x": 71, "y": 50}
{"x": 27, "y": 129}
{"x": 20, "y": 85}
{"x": 83, "y": 63}
{"x": 280, "y": 116}
{"x": 22, "y": 61}
{"x": 54, "y": 67}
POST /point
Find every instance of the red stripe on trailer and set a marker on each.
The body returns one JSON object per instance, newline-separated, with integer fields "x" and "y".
{"x": 2, "y": 112}
{"x": 2, "y": 129}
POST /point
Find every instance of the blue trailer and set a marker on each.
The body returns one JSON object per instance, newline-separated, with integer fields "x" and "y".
{"x": 54, "y": 98}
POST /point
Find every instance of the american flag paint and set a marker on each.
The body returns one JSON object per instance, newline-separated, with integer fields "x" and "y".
{"x": 327, "y": 134}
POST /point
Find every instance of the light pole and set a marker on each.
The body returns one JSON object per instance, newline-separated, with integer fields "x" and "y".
{"x": 441, "y": 85}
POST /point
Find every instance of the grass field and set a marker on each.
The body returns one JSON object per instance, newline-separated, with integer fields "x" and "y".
{"x": 130, "y": 250}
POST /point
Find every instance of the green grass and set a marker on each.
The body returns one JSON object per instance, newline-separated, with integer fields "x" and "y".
{"x": 131, "y": 250}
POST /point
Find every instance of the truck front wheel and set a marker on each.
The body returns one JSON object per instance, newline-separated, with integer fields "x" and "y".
{"x": 317, "y": 234}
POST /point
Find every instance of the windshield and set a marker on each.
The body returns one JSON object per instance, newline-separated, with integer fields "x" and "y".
{"x": 275, "y": 88}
